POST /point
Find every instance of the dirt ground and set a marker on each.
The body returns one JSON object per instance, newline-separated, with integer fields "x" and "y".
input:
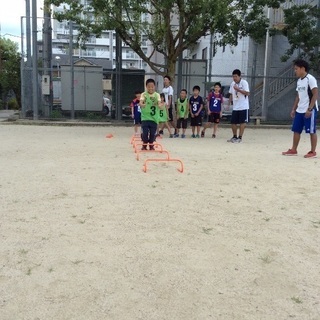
{"x": 86, "y": 234}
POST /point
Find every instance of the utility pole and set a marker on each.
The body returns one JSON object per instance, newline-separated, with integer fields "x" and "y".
{"x": 28, "y": 68}
{"x": 180, "y": 60}
{"x": 180, "y": 66}
{"x": 22, "y": 73}
{"x": 47, "y": 55}
{"x": 267, "y": 53}
{"x": 71, "y": 67}
{"x": 253, "y": 75}
{"x": 35, "y": 87}
{"x": 118, "y": 77}
{"x": 210, "y": 58}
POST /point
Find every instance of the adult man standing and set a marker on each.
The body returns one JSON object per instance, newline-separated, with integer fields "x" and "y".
{"x": 168, "y": 93}
{"x": 239, "y": 92}
{"x": 305, "y": 108}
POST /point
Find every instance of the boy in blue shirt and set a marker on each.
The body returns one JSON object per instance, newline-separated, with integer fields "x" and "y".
{"x": 195, "y": 107}
{"x": 214, "y": 103}
{"x": 136, "y": 111}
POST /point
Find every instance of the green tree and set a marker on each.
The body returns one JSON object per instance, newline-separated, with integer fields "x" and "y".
{"x": 171, "y": 26}
{"x": 9, "y": 69}
{"x": 302, "y": 29}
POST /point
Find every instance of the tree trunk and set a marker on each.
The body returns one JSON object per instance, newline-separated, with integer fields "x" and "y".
{"x": 171, "y": 69}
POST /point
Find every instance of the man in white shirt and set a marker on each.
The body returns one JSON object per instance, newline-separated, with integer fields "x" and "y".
{"x": 168, "y": 93}
{"x": 305, "y": 108}
{"x": 239, "y": 92}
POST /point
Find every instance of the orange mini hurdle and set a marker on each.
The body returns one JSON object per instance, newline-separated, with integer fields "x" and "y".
{"x": 144, "y": 168}
{"x": 153, "y": 151}
{"x": 140, "y": 144}
{"x": 135, "y": 138}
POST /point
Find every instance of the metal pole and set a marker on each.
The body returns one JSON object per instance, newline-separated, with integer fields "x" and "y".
{"x": 118, "y": 77}
{"x": 22, "y": 75}
{"x": 210, "y": 59}
{"x": 316, "y": 49}
{"x": 47, "y": 56}
{"x": 35, "y": 61}
{"x": 111, "y": 47}
{"x": 71, "y": 67}
{"x": 253, "y": 75}
{"x": 28, "y": 69}
{"x": 28, "y": 31}
{"x": 180, "y": 62}
{"x": 267, "y": 54}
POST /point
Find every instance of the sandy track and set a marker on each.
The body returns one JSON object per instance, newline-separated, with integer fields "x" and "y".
{"x": 85, "y": 234}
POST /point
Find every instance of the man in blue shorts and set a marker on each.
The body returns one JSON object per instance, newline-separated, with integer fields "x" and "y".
{"x": 305, "y": 108}
{"x": 239, "y": 92}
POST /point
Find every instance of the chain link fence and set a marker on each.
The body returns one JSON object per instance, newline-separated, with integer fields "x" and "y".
{"x": 271, "y": 98}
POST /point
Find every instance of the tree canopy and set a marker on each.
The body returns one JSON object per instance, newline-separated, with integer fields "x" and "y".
{"x": 302, "y": 29}
{"x": 9, "y": 68}
{"x": 171, "y": 26}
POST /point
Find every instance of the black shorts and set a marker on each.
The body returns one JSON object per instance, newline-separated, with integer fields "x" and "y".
{"x": 196, "y": 121}
{"x": 182, "y": 123}
{"x": 214, "y": 117}
{"x": 137, "y": 120}
{"x": 239, "y": 116}
{"x": 170, "y": 114}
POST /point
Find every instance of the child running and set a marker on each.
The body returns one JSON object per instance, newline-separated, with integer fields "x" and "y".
{"x": 196, "y": 106}
{"x": 163, "y": 117}
{"x": 182, "y": 113}
{"x": 214, "y": 102}
{"x": 136, "y": 112}
{"x": 150, "y": 105}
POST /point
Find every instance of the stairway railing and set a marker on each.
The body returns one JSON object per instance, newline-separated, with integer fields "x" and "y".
{"x": 282, "y": 81}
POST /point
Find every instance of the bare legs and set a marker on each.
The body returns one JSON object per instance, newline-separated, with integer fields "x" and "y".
{"x": 234, "y": 128}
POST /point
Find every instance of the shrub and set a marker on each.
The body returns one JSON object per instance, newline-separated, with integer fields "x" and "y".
{"x": 55, "y": 114}
{"x": 13, "y": 104}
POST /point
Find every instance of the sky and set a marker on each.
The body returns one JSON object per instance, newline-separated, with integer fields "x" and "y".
{"x": 10, "y": 17}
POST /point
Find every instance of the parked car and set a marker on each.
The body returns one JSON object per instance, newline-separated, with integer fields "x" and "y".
{"x": 106, "y": 105}
{"x": 126, "y": 111}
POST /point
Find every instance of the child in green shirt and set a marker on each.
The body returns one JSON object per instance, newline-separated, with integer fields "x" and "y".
{"x": 150, "y": 105}
{"x": 163, "y": 117}
{"x": 182, "y": 113}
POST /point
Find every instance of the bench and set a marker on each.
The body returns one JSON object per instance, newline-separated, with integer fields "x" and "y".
{"x": 257, "y": 119}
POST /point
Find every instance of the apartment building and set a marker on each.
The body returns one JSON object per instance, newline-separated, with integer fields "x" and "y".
{"x": 100, "y": 48}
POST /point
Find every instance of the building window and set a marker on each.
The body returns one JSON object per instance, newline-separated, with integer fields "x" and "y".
{"x": 144, "y": 40}
{"x": 194, "y": 57}
{"x": 204, "y": 53}
{"x": 129, "y": 54}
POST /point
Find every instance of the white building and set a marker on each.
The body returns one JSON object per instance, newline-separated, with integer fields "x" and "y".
{"x": 103, "y": 47}
{"x": 272, "y": 81}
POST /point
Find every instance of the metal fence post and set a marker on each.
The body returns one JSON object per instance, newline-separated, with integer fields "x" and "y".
{"x": 35, "y": 76}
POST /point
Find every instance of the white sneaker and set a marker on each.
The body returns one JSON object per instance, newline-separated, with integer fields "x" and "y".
{"x": 233, "y": 140}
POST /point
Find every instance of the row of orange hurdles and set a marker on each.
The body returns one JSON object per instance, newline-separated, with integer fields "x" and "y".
{"x": 158, "y": 149}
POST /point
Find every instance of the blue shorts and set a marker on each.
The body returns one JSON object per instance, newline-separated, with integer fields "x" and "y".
{"x": 137, "y": 119}
{"x": 300, "y": 122}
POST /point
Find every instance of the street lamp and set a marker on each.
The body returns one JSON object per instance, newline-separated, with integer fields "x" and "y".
{"x": 58, "y": 65}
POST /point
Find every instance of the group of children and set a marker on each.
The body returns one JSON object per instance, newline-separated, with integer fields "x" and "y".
{"x": 151, "y": 112}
